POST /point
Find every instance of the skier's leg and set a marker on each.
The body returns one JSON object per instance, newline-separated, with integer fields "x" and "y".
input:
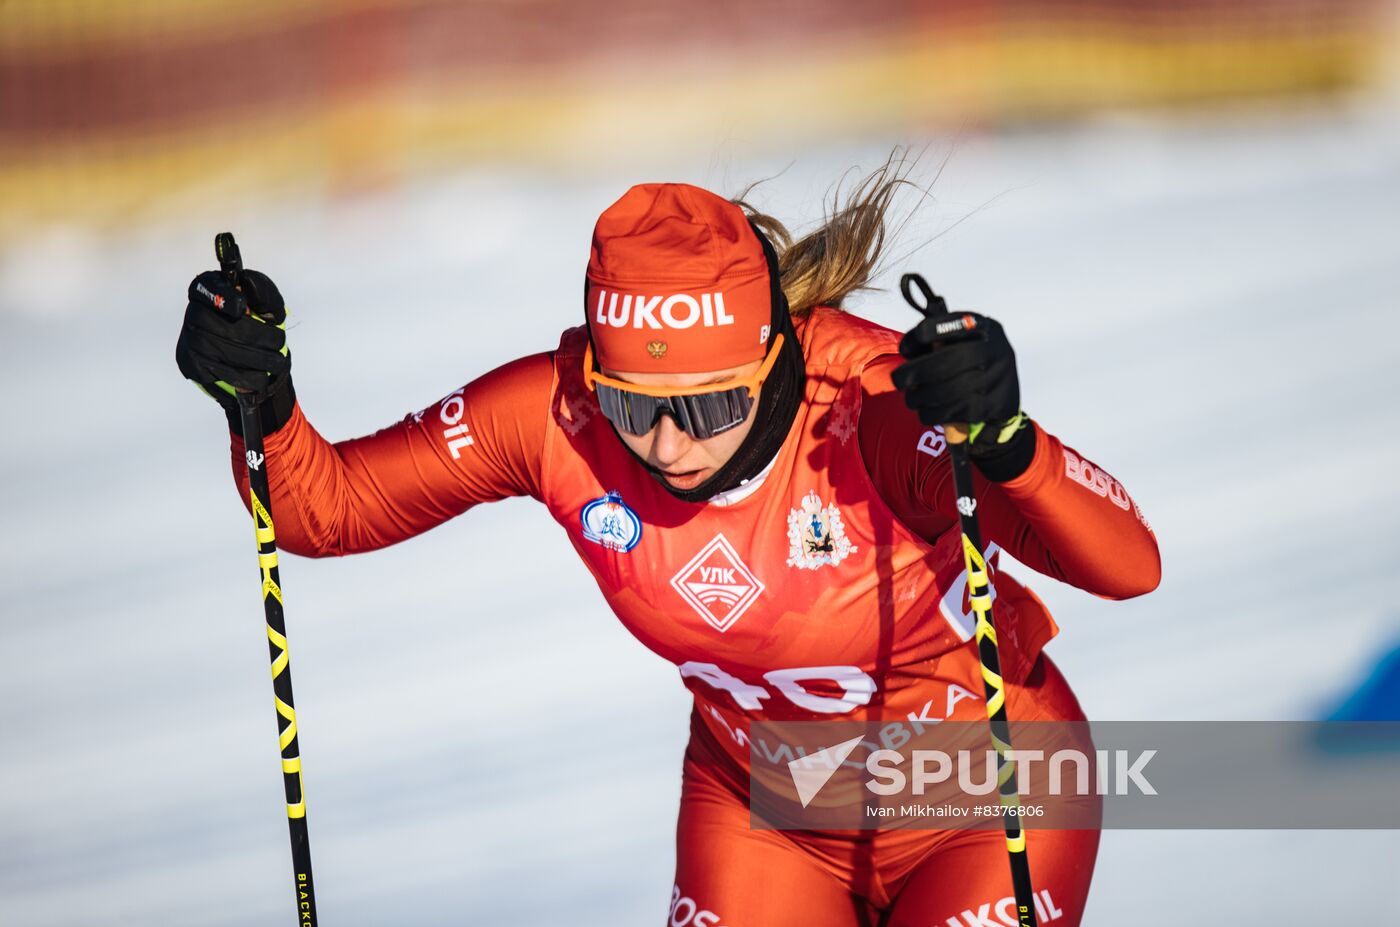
{"x": 728, "y": 875}
{"x": 966, "y": 882}
{"x": 965, "y": 878}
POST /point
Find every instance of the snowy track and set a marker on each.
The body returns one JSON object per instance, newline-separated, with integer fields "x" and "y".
{"x": 1207, "y": 309}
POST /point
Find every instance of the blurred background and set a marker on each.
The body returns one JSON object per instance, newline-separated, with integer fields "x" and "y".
{"x": 1184, "y": 212}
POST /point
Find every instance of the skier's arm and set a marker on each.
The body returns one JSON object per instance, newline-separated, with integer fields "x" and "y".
{"x": 481, "y": 443}
{"x": 1062, "y": 516}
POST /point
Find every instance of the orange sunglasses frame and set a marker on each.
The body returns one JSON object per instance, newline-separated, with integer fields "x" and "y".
{"x": 591, "y": 377}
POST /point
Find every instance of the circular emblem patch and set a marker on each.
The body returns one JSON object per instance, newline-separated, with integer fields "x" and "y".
{"x": 609, "y": 521}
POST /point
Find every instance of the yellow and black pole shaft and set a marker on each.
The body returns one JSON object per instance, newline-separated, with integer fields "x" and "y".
{"x": 979, "y": 597}
{"x": 231, "y": 263}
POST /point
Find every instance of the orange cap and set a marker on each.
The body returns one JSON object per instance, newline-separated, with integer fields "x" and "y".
{"x": 677, "y": 283}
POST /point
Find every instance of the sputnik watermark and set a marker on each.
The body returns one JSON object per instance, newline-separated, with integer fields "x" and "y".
{"x": 932, "y": 767}
{"x": 945, "y": 773}
{"x": 1114, "y": 772}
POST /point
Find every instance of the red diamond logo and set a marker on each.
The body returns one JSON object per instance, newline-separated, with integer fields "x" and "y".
{"x": 717, "y": 584}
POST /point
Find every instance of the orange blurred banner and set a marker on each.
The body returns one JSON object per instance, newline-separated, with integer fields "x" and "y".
{"x": 108, "y": 105}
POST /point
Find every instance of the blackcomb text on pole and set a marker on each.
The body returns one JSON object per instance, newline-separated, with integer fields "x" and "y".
{"x": 231, "y": 264}
{"x": 979, "y": 596}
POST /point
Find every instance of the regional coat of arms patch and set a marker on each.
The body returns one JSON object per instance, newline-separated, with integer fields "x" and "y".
{"x": 816, "y": 535}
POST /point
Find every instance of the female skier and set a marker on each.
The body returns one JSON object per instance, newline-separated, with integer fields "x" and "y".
{"x": 735, "y": 461}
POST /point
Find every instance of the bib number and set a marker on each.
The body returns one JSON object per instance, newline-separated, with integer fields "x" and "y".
{"x": 856, "y": 686}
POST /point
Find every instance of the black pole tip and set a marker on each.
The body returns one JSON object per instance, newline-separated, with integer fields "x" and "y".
{"x": 932, "y": 303}
{"x": 226, "y": 249}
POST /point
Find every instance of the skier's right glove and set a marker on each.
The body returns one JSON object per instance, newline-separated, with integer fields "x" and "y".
{"x": 235, "y": 340}
{"x": 960, "y": 369}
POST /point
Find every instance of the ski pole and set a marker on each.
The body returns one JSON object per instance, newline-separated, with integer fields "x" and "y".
{"x": 231, "y": 264}
{"x": 980, "y": 598}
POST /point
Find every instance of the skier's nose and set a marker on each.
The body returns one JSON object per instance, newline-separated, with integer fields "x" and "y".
{"x": 670, "y": 442}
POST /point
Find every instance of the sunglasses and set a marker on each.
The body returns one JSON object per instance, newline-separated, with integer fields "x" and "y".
{"x": 699, "y": 412}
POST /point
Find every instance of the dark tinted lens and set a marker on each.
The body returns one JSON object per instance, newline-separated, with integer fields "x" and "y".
{"x": 634, "y": 413}
{"x": 705, "y": 415}
{"x": 702, "y": 415}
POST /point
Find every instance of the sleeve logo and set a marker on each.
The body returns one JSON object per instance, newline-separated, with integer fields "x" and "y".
{"x": 933, "y": 442}
{"x": 1096, "y": 480}
{"x": 457, "y": 434}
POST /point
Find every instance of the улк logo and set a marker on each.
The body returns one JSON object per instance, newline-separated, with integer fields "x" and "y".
{"x": 717, "y": 584}
{"x": 608, "y": 521}
{"x": 816, "y": 535}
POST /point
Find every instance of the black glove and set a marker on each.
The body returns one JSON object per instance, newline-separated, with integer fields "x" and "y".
{"x": 236, "y": 340}
{"x": 959, "y": 368}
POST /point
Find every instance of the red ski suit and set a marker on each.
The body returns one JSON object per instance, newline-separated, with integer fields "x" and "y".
{"x": 829, "y": 588}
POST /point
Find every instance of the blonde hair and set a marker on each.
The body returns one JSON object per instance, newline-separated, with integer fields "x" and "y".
{"x": 840, "y": 256}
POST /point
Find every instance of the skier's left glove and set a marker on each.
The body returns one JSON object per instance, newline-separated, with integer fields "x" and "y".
{"x": 234, "y": 340}
{"x": 966, "y": 374}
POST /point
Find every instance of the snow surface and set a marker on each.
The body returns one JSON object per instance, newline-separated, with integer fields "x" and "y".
{"x": 1206, "y": 307}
